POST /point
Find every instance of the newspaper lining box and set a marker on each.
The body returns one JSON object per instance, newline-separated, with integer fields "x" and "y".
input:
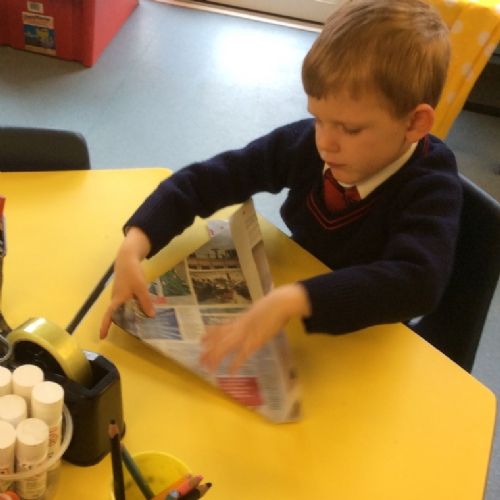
{"x": 210, "y": 286}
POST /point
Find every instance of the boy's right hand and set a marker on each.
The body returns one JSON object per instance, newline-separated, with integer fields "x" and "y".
{"x": 129, "y": 279}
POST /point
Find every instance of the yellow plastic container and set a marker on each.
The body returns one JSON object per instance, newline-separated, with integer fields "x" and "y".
{"x": 159, "y": 470}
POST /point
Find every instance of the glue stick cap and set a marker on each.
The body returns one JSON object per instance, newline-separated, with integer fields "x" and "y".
{"x": 5, "y": 381}
{"x": 7, "y": 438}
{"x": 24, "y": 378}
{"x": 13, "y": 409}
{"x": 32, "y": 440}
{"x": 47, "y": 400}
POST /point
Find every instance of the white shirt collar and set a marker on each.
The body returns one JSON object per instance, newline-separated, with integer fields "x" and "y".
{"x": 367, "y": 186}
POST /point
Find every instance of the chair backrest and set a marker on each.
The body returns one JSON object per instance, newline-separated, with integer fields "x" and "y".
{"x": 455, "y": 327}
{"x": 36, "y": 149}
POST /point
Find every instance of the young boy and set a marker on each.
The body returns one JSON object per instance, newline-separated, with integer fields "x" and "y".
{"x": 373, "y": 78}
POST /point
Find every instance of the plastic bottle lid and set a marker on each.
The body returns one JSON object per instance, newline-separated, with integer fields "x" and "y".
{"x": 13, "y": 409}
{"x": 24, "y": 377}
{"x": 47, "y": 399}
{"x": 5, "y": 381}
{"x": 32, "y": 440}
{"x": 7, "y": 436}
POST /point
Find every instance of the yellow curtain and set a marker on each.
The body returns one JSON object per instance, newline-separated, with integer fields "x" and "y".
{"x": 474, "y": 32}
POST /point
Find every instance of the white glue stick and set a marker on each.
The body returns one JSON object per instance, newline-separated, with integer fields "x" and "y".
{"x": 47, "y": 399}
{"x": 24, "y": 378}
{"x": 7, "y": 448}
{"x": 5, "y": 381}
{"x": 31, "y": 451}
{"x": 13, "y": 409}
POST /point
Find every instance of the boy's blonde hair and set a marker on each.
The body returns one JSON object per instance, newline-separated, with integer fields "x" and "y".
{"x": 397, "y": 48}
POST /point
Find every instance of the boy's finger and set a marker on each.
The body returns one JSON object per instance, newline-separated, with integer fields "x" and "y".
{"x": 105, "y": 324}
{"x": 212, "y": 357}
{"x": 239, "y": 359}
{"x": 146, "y": 303}
{"x": 207, "y": 363}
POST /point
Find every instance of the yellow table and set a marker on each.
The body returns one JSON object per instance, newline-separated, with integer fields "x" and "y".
{"x": 386, "y": 416}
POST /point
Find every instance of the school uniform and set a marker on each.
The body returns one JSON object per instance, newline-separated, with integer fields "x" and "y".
{"x": 391, "y": 251}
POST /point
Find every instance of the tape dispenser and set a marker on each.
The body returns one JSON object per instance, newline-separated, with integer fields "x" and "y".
{"x": 92, "y": 388}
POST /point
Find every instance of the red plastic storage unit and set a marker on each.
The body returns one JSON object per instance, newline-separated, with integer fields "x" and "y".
{"x": 76, "y": 30}
{"x": 4, "y": 39}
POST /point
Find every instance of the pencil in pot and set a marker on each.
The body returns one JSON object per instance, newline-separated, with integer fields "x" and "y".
{"x": 116, "y": 461}
{"x": 198, "y": 492}
{"x": 136, "y": 473}
{"x": 180, "y": 490}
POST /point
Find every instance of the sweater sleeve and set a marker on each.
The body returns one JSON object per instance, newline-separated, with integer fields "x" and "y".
{"x": 232, "y": 177}
{"x": 410, "y": 276}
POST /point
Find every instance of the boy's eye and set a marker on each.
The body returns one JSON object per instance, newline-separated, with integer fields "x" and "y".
{"x": 352, "y": 131}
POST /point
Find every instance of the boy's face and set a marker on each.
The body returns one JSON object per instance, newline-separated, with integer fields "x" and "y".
{"x": 357, "y": 138}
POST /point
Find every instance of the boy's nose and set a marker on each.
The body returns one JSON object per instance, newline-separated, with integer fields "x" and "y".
{"x": 327, "y": 143}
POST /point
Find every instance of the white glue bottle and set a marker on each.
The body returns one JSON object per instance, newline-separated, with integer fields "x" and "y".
{"x": 7, "y": 448}
{"x": 47, "y": 399}
{"x": 5, "y": 381}
{"x": 13, "y": 409}
{"x": 24, "y": 378}
{"x": 31, "y": 452}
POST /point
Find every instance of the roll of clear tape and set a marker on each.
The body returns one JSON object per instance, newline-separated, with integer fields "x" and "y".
{"x": 58, "y": 343}
{"x": 6, "y": 352}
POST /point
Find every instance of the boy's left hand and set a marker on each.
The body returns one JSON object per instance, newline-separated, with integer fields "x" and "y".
{"x": 252, "y": 329}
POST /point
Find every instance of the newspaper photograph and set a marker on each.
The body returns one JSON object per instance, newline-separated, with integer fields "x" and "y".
{"x": 211, "y": 286}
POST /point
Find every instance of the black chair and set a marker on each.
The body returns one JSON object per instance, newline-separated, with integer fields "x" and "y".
{"x": 37, "y": 149}
{"x": 455, "y": 327}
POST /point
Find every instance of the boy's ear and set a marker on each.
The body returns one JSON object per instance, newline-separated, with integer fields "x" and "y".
{"x": 420, "y": 123}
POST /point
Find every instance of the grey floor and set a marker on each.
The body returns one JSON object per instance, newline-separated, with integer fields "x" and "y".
{"x": 178, "y": 85}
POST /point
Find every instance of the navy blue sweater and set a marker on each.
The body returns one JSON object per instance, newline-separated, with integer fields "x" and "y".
{"x": 391, "y": 252}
